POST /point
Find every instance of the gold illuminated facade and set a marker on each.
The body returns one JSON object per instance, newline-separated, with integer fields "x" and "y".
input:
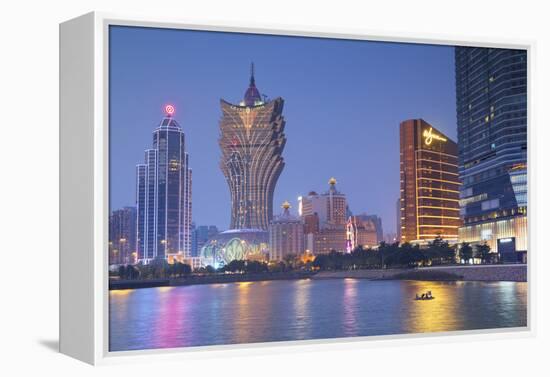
{"x": 429, "y": 199}
{"x": 252, "y": 140}
{"x": 492, "y": 231}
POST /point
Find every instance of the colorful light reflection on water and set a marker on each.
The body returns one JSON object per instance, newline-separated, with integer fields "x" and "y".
{"x": 306, "y": 309}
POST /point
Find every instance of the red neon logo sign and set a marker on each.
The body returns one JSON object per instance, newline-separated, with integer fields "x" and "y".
{"x": 170, "y": 109}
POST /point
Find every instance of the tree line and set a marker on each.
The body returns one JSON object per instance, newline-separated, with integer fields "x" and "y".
{"x": 156, "y": 269}
{"x": 406, "y": 255}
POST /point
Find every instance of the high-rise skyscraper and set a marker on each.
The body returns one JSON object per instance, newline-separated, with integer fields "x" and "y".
{"x": 286, "y": 235}
{"x": 252, "y": 140}
{"x": 122, "y": 236}
{"x": 164, "y": 195}
{"x": 491, "y": 97}
{"x": 429, "y": 183}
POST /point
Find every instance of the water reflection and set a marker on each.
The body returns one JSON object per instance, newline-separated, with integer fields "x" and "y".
{"x": 350, "y": 307}
{"x": 440, "y": 314}
{"x": 306, "y": 309}
{"x": 301, "y": 305}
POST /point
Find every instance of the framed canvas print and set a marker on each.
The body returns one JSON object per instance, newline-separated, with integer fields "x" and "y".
{"x": 225, "y": 186}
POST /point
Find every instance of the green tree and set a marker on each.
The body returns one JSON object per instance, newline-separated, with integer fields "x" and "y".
{"x": 255, "y": 266}
{"x": 439, "y": 251}
{"x": 483, "y": 252}
{"x": 132, "y": 272}
{"x": 209, "y": 269}
{"x": 122, "y": 272}
{"x": 185, "y": 269}
{"x": 321, "y": 262}
{"x": 466, "y": 252}
{"x": 410, "y": 255}
{"x": 290, "y": 261}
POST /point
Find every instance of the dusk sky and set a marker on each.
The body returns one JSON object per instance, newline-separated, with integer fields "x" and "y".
{"x": 344, "y": 101}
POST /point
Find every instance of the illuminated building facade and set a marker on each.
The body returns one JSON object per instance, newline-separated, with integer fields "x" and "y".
{"x": 330, "y": 208}
{"x": 325, "y": 218}
{"x": 362, "y": 230}
{"x": 491, "y": 93}
{"x": 327, "y": 240}
{"x": 236, "y": 244}
{"x": 397, "y": 220}
{"x": 374, "y": 224}
{"x": 252, "y": 140}
{"x": 311, "y": 223}
{"x": 429, "y": 183}
{"x": 163, "y": 195}
{"x": 286, "y": 235}
{"x": 200, "y": 236}
{"x": 122, "y": 236}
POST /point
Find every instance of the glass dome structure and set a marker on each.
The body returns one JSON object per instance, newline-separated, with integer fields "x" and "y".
{"x": 236, "y": 244}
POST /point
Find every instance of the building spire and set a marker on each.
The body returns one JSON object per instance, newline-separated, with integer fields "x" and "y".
{"x": 252, "y": 95}
{"x": 252, "y": 81}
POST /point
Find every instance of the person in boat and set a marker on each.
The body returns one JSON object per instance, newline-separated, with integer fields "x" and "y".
{"x": 423, "y": 296}
{"x": 417, "y": 297}
{"x": 429, "y": 294}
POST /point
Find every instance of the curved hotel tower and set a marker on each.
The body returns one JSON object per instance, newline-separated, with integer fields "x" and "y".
{"x": 252, "y": 140}
{"x": 164, "y": 195}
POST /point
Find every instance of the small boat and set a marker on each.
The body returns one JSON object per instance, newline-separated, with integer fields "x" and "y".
{"x": 424, "y": 296}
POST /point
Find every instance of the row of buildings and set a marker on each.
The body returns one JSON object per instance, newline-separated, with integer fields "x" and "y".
{"x": 324, "y": 223}
{"x": 123, "y": 236}
{"x": 472, "y": 190}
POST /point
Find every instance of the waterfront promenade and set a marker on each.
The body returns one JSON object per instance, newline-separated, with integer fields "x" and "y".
{"x": 494, "y": 272}
{"x": 209, "y": 279}
{"x": 500, "y": 272}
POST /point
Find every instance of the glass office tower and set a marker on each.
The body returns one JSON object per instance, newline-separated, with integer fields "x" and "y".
{"x": 164, "y": 195}
{"x": 252, "y": 140}
{"x": 491, "y": 97}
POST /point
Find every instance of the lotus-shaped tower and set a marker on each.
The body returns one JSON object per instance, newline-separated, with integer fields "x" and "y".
{"x": 252, "y": 140}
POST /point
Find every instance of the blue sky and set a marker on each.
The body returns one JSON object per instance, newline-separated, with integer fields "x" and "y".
{"x": 343, "y": 104}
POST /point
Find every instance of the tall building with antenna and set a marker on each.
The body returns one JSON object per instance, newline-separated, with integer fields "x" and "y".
{"x": 252, "y": 140}
{"x": 163, "y": 195}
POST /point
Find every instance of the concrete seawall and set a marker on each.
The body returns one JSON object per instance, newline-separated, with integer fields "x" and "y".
{"x": 511, "y": 272}
{"x": 208, "y": 279}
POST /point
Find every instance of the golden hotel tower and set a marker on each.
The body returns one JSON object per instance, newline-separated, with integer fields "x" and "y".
{"x": 429, "y": 183}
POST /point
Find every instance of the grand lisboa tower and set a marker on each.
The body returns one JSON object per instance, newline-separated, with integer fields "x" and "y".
{"x": 252, "y": 140}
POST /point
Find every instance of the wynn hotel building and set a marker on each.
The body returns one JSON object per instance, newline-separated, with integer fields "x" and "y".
{"x": 429, "y": 201}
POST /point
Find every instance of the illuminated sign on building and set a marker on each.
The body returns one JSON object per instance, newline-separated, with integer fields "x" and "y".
{"x": 429, "y": 184}
{"x": 169, "y": 109}
{"x": 429, "y": 136}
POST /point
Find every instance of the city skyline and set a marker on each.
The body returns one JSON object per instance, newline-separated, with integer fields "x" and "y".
{"x": 353, "y": 99}
{"x": 363, "y": 123}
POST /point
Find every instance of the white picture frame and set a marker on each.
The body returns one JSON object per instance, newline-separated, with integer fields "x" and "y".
{"x": 84, "y": 189}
